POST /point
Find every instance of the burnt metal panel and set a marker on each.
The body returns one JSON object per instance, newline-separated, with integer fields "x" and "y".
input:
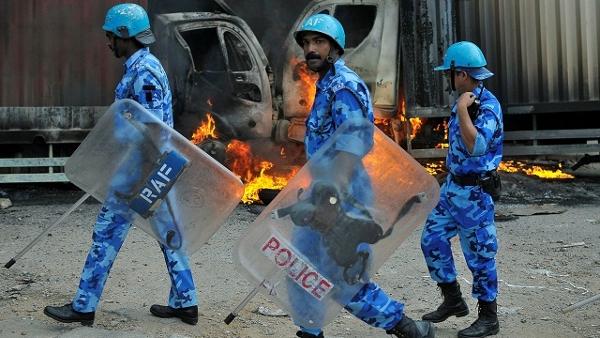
{"x": 24, "y": 125}
{"x": 54, "y": 53}
{"x": 426, "y": 30}
{"x": 541, "y": 50}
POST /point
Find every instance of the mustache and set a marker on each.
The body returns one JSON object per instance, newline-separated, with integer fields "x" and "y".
{"x": 311, "y": 56}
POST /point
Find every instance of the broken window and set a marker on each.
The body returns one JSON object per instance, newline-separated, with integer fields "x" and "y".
{"x": 205, "y": 48}
{"x": 357, "y": 20}
{"x": 237, "y": 53}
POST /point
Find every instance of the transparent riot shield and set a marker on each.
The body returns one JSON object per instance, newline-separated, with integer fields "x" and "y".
{"x": 154, "y": 177}
{"x": 345, "y": 212}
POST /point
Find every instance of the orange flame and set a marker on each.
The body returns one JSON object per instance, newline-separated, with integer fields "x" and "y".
{"x": 207, "y": 129}
{"x": 533, "y": 170}
{"x": 415, "y": 126}
{"x": 443, "y": 127}
{"x": 256, "y": 174}
{"x": 306, "y": 81}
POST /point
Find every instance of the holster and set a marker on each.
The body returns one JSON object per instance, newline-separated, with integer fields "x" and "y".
{"x": 492, "y": 184}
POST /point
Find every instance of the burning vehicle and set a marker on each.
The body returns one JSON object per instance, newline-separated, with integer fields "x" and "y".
{"x": 248, "y": 110}
{"x": 228, "y": 99}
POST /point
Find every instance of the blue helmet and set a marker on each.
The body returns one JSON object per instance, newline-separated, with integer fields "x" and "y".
{"x": 465, "y": 55}
{"x": 326, "y": 25}
{"x": 129, "y": 21}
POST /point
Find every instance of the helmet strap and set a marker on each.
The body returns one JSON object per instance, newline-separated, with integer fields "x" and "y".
{"x": 452, "y": 73}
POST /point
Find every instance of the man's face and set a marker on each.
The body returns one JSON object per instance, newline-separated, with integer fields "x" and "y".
{"x": 114, "y": 44}
{"x": 460, "y": 79}
{"x": 316, "y": 49}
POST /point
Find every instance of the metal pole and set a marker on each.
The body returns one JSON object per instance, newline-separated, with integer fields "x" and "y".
{"x": 243, "y": 304}
{"x": 580, "y": 304}
{"x": 39, "y": 237}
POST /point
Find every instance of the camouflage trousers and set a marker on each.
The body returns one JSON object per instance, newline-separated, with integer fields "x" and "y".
{"x": 368, "y": 303}
{"x": 453, "y": 216}
{"x": 110, "y": 231}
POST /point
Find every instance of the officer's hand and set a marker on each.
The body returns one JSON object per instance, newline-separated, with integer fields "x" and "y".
{"x": 465, "y": 100}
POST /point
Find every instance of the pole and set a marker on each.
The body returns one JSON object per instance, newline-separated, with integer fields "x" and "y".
{"x": 39, "y": 237}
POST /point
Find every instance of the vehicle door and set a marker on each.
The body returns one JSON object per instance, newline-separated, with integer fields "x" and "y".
{"x": 225, "y": 75}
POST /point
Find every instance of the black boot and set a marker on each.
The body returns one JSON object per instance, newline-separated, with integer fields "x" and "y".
{"x": 303, "y": 334}
{"x": 408, "y": 328}
{"x": 486, "y": 323}
{"x": 188, "y": 315}
{"x": 66, "y": 314}
{"x": 453, "y": 304}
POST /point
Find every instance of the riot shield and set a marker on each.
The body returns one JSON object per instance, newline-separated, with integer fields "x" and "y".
{"x": 154, "y": 177}
{"x": 345, "y": 212}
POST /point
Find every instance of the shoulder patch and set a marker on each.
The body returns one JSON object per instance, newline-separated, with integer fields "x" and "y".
{"x": 337, "y": 86}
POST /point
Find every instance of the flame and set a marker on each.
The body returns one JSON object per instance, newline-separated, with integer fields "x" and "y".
{"x": 256, "y": 174}
{"x": 306, "y": 81}
{"x": 533, "y": 170}
{"x": 265, "y": 180}
{"x": 442, "y": 127}
{"x": 415, "y": 126}
{"x": 436, "y": 167}
{"x": 207, "y": 129}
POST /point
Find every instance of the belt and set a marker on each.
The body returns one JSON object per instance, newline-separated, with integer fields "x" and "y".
{"x": 469, "y": 180}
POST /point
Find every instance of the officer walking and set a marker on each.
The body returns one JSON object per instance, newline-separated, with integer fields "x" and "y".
{"x": 128, "y": 31}
{"x": 342, "y": 95}
{"x": 466, "y": 206}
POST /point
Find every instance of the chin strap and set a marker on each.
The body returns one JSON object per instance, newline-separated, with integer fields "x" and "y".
{"x": 452, "y": 73}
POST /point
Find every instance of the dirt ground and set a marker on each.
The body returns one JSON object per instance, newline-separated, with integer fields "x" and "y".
{"x": 546, "y": 262}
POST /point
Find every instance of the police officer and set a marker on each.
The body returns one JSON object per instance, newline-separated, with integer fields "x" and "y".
{"x": 342, "y": 95}
{"x": 128, "y": 31}
{"x": 466, "y": 207}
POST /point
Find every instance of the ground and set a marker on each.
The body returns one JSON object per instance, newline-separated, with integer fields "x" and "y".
{"x": 546, "y": 263}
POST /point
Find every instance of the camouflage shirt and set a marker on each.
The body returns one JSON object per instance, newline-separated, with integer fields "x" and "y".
{"x": 146, "y": 82}
{"x": 341, "y": 95}
{"x": 487, "y": 150}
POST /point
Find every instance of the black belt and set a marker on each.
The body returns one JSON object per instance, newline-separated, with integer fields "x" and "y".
{"x": 472, "y": 179}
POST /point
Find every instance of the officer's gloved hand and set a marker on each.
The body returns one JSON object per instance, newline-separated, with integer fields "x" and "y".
{"x": 358, "y": 270}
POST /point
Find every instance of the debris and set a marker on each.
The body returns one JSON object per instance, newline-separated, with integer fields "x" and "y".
{"x": 265, "y": 311}
{"x": 508, "y": 310}
{"x": 5, "y": 203}
{"x": 17, "y": 288}
{"x": 501, "y": 217}
{"x": 530, "y": 210}
{"x": 573, "y": 245}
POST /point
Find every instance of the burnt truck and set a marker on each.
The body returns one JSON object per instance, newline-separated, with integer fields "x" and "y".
{"x": 546, "y": 80}
{"x": 545, "y": 56}
{"x": 216, "y": 65}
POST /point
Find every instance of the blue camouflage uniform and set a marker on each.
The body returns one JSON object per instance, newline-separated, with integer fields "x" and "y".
{"x": 467, "y": 210}
{"x": 144, "y": 81}
{"x": 341, "y": 95}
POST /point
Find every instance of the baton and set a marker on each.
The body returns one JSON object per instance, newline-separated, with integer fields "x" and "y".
{"x": 39, "y": 237}
{"x": 243, "y": 304}
{"x": 251, "y": 295}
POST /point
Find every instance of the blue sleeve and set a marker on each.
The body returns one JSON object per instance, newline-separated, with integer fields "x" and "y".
{"x": 148, "y": 92}
{"x": 347, "y": 107}
{"x": 486, "y": 125}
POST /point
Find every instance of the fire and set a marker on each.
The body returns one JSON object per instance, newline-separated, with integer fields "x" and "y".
{"x": 207, "y": 129}
{"x": 256, "y": 174}
{"x": 533, "y": 170}
{"x": 434, "y": 168}
{"x": 265, "y": 181}
{"x": 415, "y": 125}
{"x": 306, "y": 80}
{"x": 437, "y": 167}
{"x": 442, "y": 127}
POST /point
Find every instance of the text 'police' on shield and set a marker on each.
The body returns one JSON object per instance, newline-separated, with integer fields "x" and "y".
{"x": 298, "y": 270}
